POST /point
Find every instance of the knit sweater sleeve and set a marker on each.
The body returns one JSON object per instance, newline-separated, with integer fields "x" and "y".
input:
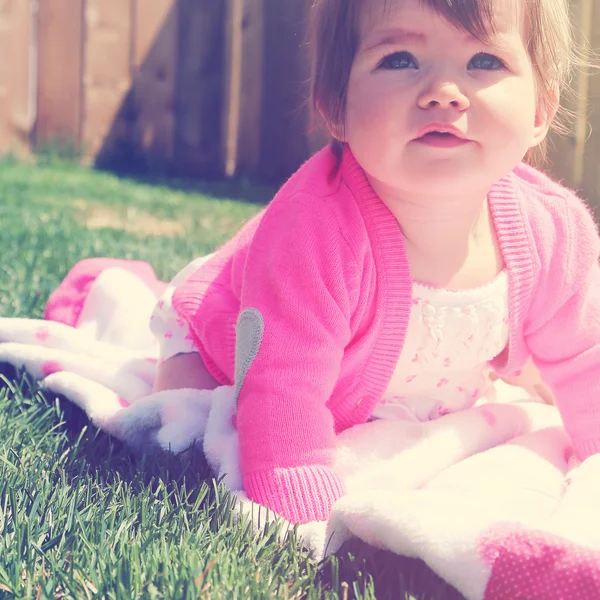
{"x": 300, "y": 276}
{"x": 563, "y": 336}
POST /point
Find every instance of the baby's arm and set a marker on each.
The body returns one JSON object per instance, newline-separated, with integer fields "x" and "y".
{"x": 563, "y": 334}
{"x": 180, "y": 365}
{"x": 530, "y": 380}
{"x": 297, "y": 289}
{"x": 184, "y": 371}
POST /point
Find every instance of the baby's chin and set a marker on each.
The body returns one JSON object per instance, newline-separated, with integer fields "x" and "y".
{"x": 442, "y": 180}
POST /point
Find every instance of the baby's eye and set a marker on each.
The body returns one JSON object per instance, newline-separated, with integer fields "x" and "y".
{"x": 399, "y": 60}
{"x": 487, "y": 62}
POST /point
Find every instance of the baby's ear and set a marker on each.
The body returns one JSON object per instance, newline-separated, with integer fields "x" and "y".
{"x": 544, "y": 115}
{"x": 335, "y": 129}
{"x": 249, "y": 334}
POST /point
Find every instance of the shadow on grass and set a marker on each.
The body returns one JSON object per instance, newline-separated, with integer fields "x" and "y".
{"x": 242, "y": 190}
{"x": 349, "y": 572}
{"x": 110, "y": 459}
{"x": 106, "y": 458}
{"x": 238, "y": 189}
{"x": 356, "y": 563}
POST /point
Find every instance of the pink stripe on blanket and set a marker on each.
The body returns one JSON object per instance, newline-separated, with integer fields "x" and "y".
{"x": 66, "y": 302}
{"x": 489, "y": 417}
{"x": 123, "y": 402}
{"x": 50, "y": 367}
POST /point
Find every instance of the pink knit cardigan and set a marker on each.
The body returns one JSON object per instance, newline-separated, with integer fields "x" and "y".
{"x": 325, "y": 266}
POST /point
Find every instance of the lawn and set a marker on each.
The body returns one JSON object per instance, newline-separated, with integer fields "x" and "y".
{"x": 80, "y": 517}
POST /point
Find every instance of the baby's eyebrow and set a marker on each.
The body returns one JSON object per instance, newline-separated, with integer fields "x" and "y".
{"x": 395, "y": 36}
{"x": 398, "y": 36}
{"x": 500, "y": 40}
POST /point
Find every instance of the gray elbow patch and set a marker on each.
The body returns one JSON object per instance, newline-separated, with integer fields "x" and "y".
{"x": 248, "y": 337}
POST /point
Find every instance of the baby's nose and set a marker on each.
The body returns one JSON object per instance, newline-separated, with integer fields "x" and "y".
{"x": 444, "y": 95}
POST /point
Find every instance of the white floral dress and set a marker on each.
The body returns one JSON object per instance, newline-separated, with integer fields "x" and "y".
{"x": 445, "y": 363}
{"x": 451, "y": 338}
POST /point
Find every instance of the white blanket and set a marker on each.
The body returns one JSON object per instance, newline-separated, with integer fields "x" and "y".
{"x": 481, "y": 496}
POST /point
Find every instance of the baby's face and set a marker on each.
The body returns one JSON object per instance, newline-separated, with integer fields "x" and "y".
{"x": 415, "y": 72}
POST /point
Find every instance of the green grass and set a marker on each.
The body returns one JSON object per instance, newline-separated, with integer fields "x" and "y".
{"x": 80, "y": 517}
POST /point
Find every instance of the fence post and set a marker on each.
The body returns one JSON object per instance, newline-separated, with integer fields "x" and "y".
{"x": 6, "y": 26}
{"x": 574, "y": 157}
{"x": 155, "y": 31}
{"x": 285, "y": 106}
{"x": 61, "y": 52}
{"x": 18, "y": 73}
{"x": 591, "y": 172}
{"x": 586, "y": 10}
{"x": 233, "y": 81}
{"x": 107, "y": 76}
{"x": 200, "y": 88}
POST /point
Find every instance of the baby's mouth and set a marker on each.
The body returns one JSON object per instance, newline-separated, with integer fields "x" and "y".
{"x": 441, "y": 139}
{"x": 438, "y": 134}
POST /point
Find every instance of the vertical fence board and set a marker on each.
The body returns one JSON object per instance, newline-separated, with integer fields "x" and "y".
{"x": 561, "y": 156}
{"x": 60, "y": 71}
{"x": 25, "y": 73}
{"x": 591, "y": 174}
{"x": 234, "y": 18}
{"x": 243, "y": 118}
{"x": 152, "y": 78}
{"x": 318, "y": 135}
{"x": 107, "y": 76}
{"x": 200, "y": 88}
{"x": 17, "y": 70}
{"x": 155, "y": 63}
{"x": 561, "y": 149}
{"x": 285, "y": 113}
{"x": 249, "y": 135}
{"x": 574, "y": 157}
{"x": 6, "y": 10}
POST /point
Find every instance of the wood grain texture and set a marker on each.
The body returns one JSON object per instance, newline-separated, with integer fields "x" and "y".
{"x": 251, "y": 86}
{"x": 107, "y": 77}
{"x": 590, "y": 183}
{"x": 154, "y": 59}
{"x": 286, "y": 72}
{"x": 200, "y": 88}
{"x": 61, "y": 55}
{"x": 18, "y": 67}
{"x": 6, "y": 41}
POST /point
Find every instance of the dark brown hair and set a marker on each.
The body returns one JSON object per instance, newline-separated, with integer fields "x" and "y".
{"x": 336, "y": 37}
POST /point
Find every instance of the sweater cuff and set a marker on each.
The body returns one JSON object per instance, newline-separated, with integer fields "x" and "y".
{"x": 585, "y": 448}
{"x": 299, "y": 494}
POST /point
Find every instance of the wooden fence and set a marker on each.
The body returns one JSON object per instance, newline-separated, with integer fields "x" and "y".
{"x": 197, "y": 87}
{"x": 575, "y": 158}
{"x": 201, "y": 87}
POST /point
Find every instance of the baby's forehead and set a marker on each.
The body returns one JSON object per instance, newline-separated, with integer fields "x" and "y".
{"x": 484, "y": 18}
